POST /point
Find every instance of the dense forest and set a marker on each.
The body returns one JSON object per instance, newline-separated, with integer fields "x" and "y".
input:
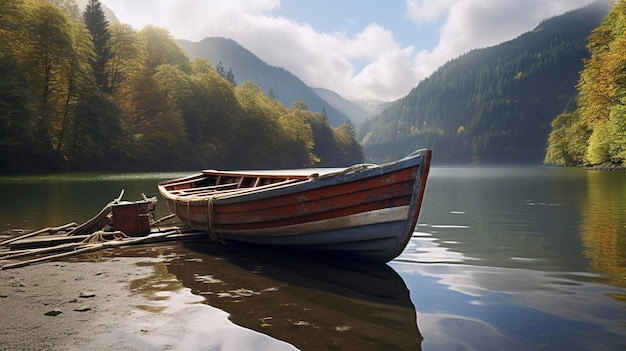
{"x": 79, "y": 94}
{"x": 491, "y": 105}
{"x": 593, "y": 129}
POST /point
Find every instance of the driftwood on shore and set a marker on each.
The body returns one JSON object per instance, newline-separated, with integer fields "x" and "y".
{"x": 83, "y": 247}
{"x": 90, "y": 236}
{"x": 49, "y": 230}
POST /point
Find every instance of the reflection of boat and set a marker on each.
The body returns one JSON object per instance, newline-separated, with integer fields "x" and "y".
{"x": 311, "y": 303}
{"x": 365, "y": 211}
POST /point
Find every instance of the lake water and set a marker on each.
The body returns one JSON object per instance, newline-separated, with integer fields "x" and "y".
{"x": 503, "y": 258}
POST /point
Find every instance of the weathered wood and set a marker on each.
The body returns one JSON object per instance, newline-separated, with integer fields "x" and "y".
{"x": 39, "y": 251}
{"x": 207, "y": 189}
{"x": 45, "y": 241}
{"x": 51, "y": 257}
{"x": 41, "y": 231}
{"x": 78, "y": 248}
{"x": 98, "y": 221}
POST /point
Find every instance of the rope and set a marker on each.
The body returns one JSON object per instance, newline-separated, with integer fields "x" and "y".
{"x": 101, "y": 236}
{"x": 211, "y": 223}
{"x": 210, "y": 214}
{"x": 355, "y": 168}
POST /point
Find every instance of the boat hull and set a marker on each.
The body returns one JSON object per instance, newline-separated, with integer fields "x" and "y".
{"x": 368, "y": 214}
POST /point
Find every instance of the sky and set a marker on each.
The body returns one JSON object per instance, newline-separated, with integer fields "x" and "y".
{"x": 361, "y": 49}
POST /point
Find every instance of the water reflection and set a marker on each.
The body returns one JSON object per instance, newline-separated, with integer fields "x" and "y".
{"x": 603, "y": 228}
{"x": 476, "y": 307}
{"x": 307, "y": 302}
{"x": 312, "y": 303}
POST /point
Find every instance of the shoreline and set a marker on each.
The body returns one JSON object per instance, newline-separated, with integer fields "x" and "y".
{"x": 68, "y": 305}
{"x": 608, "y": 167}
{"x": 120, "y": 299}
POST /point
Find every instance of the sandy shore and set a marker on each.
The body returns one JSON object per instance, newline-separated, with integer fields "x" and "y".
{"x": 68, "y": 305}
{"x": 125, "y": 299}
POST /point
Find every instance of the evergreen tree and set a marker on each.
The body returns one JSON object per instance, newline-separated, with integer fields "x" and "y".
{"x": 100, "y": 35}
{"x": 220, "y": 69}
{"x": 230, "y": 77}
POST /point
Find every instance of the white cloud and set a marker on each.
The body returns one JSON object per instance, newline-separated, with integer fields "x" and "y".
{"x": 422, "y": 11}
{"x": 387, "y": 70}
{"x": 391, "y": 75}
{"x": 471, "y": 24}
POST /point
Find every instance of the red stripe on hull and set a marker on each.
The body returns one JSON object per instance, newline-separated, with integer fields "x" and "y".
{"x": 396, "y": 195}
{"x": 313, "y": 205}
{"x": 331, "y": 191}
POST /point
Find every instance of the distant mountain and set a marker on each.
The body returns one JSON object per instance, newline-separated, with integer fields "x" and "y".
{"x": 491, "y": 105}
{"x": 286, "y": 87}
{"x": 356, "y": 113}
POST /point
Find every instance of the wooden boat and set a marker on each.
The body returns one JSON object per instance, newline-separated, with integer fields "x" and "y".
{"x": 366, "y": 212}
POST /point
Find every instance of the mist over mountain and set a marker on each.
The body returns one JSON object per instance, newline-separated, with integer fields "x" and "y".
{"x": 355, "y": 112}
{"x": 491, "y": 105}
{"x": 284, "y": 86}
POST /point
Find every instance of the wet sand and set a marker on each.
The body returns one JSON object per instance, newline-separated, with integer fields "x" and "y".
{"x": 122, "y": 299}
{"x": 68, "y": 305}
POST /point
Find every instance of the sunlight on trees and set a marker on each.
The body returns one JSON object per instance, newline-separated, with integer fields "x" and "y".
{"x": 599, "y": 128}
{"x": 79, "y": 94}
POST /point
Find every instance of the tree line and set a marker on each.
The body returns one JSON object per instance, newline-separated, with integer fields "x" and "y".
{"x": 78, "y": 93}
{"x": 592, "y": 128}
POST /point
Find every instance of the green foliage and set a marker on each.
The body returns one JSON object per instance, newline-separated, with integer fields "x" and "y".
{"x": 124, "y": 52}
{"x": 16, "y": 135}
{"x": 47, "y": 56}
{"x": 230, "y": 77}
{"x": 491, "y": 105}
{"x": 96, "y": 131}
{"x": 600, "y": 128}
{"x": 598, "y": 149}
{"x": 350, "y": 149}
{"x": 80, "y": 95}
{"x": 566, "y": 144}
{"x": 278, "y": 83}
{"x": 617, "y": 136}
{"x": 98, "y": 27}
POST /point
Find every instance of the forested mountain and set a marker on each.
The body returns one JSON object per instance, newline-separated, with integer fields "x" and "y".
{"x": 593, "y": 131}
{"x": 80, "y": 94}
{"x": 278, "y": 82}
{"x": 491, "y": 105}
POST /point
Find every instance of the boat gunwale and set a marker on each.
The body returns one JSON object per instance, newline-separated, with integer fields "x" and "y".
{"x": 278, "y": 189}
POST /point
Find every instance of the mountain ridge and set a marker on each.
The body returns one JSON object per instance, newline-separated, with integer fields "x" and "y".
{"x": 285, "y": 86}
{"x": 490, "y": 105}
{"x": 354, "y": 111}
